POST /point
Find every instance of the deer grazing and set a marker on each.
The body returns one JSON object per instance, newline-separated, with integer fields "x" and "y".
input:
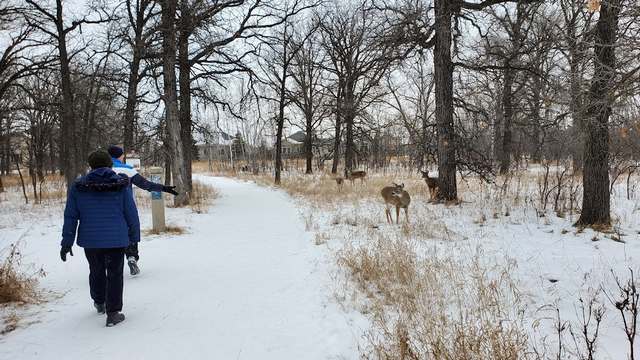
{"x": 433, "y": 184}
{"x": 395, "y": 195}
{"x": 352, "y": 175}
{"x": 339, "y": 181}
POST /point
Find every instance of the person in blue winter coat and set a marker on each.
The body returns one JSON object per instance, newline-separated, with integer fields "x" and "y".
{"x": 117, "y": 157}
{"x": 100, "y": 210}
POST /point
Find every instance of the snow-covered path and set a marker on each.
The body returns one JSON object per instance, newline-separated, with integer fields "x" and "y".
{"x": 245, "y": 282}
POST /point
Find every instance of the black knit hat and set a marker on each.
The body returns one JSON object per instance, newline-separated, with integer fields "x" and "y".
{"x": 99, "y": 159}
{"x": 115, "y": 151}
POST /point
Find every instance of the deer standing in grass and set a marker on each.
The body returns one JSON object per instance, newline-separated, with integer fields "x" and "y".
{"x": 395, "y": 195}
{"x": 339, "y": 181}
{"x": 433, "y": 184}
{"x": 352, "y": 175}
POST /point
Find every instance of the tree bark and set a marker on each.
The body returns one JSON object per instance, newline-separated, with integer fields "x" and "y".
{"x": 575, "y": 89}
{"x": 138, "y": 50}
{"x": 596, "y": 197}
{"x": 68, "y": 153}
{"x": 338, "y": 128}
{"x": 443, "y": 69}
{"x": 308, "y": 145}
{"x": 185, "y": 90}
{"x": 349, "y": 119}
{"x": 507, "y": 109}
{"x": 280, "y": 121}
{"x": 132, "y": 98}
{"x": 174, "y": 139}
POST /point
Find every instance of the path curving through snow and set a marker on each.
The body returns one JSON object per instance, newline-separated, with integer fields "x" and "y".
{"x": 245, "y": 282}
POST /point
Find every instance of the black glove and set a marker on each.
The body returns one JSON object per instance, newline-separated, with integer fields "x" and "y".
{"x": 169, "y": 189}
{"x": 64, "y": 251}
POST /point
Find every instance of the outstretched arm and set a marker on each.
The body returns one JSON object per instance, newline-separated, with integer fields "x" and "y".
{"x": 139, "y": 181}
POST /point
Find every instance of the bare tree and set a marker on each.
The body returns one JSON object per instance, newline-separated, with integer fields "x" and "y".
{"x": 595, "y": 178}
{"x": 138, "y": 35}
{"x": 309, "y": 93}
{"x": 362, "y": 49}
{"x": 170, "y": 98}
{"x": 51, "y": 22}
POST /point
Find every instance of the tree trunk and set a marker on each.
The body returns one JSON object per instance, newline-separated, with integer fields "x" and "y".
{"x": 69, "y": 154}
{"x": 132, "y": 99}
{"x": 536, "y": 108}
{"x": 595, "y": 177}
{"x": 443, "y": 68}
{"x": 308, "y": 144}
{"x": 24, "y": 188}
{"x": 507, "y": 109}
{"x": 280, "y": 128}
{"x": 336, "y": 145}
{"x": 349, "y": 119}
{"x": 338, "y": 128}
{"x": 576, "y": 101}
{"x": 185, "y": 91}
{"x": 174, "y": 139}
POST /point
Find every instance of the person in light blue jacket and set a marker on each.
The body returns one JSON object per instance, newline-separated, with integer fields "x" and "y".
{"x": 101, "y": 217}
{"x": 117, "y": 157}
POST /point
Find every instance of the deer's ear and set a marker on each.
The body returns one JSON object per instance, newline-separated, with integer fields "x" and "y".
{"x": 402, "y": 185}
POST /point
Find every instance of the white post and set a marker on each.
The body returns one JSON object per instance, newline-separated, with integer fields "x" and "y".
{"x": 157, "y": 200}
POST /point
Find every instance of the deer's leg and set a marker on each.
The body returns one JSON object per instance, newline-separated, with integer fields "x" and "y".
{"x": 406, "y": 214}
{"x": 397, "y": 214}
{"x": 387, "y": 212}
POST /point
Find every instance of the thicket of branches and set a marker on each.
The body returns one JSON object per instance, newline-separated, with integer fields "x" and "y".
{"x": 481, "y": 86}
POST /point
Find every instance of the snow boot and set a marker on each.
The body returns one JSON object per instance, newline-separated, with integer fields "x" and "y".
{"x": 114, "y": 318}
{"x": 100, "y": 308}
{"x": 133, "y": 266}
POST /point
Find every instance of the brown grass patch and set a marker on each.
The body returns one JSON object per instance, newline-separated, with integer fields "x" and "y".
{"x": 434, "y": 306}
{"x": 202, "y": 196}
{"x": 168, "y": 229}
{"x": 52, "y": 190}
{"x": 16, "y": 286}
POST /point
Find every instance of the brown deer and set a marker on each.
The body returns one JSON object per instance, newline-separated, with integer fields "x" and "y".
{"x": 395, "y": 195}
{"x": 352, "y": 175}
{"x": 433, "y": 184}
{"x": 339, "y": 181}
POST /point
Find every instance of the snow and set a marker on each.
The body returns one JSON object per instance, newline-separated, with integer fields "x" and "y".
{"x": 245, "y": 282}
{"x": 542, "y": 249}
{"x": 248, "y": 281}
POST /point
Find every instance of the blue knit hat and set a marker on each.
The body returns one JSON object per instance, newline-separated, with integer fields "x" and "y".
{"x": 115, "y": 151}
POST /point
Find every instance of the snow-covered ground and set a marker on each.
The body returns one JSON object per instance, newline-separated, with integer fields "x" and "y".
{"x": 245, "y": 282}
{"x": 553, "y": 264}
{"x": 256, "y": 278}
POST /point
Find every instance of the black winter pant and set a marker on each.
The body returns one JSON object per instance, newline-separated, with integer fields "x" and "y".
{"x": 105, "y": 276}
{"x": 132, "y": 250}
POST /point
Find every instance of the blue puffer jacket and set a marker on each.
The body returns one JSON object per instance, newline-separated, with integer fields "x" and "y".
{"x": 102, "y": 202}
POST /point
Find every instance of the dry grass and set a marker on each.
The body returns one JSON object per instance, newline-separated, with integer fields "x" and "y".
{"x": 435, "y": 306}
{"x": 51, "y": 191}
{"x": 202, "y": 196}
{"x": 168, "y": 229}
{"x": 16, "y": 286}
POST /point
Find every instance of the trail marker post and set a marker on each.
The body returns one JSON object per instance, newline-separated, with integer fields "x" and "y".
{"x": 157, "y": 200}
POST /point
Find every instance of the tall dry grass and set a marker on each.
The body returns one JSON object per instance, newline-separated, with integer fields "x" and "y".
{"x": 17, "y": 285}
{"x": 435, "y": 306}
